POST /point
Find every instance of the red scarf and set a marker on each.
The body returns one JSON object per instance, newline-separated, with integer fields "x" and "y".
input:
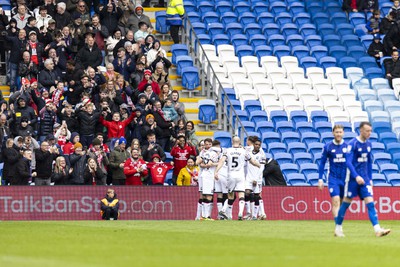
{"x": 34, "y": 56}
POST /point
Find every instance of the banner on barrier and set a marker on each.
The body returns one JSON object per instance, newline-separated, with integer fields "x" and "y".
{"x": 176, "y": 203}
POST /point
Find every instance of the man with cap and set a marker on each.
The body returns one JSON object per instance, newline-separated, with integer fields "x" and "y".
{"x": 44, "y": 156}
{"x": 118, "y": 158}
{"x": 142, "y": 103}
{"x": 138, "y": 16}
{"x": 150, "y": 126}
{"x": 135, "y": 169}
{"x": 21, "y": 109}
{"x": 78, "y": 161}
{"x": 47, "y": 119}
{"x": 376, "y": 49}
{"x": 148, "y": 79}
{"x": 43, "y": 18}
{"x": 35, "y": 48}
{"x": 62, "y": 17}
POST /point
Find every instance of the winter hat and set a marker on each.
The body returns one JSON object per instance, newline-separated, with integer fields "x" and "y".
{"x": 142, "y": 95}
{"x": 33, "y": 80}
{"x": 24, "y": 119}
{"x": 149, "y": 116}
{"x": 43, "y": 90}
{"x": 96, "y": 142}
{"x": 56, "y": 125}
{"x": 138, "y": 7}
{"x": 48, "y": 101}
{"x": 77, "y": 145}
{"x": 73, "y": 135}
{"x": 86, "y": 101}
{"x": 155, "y": 156}
{"x": 147, "y": 72}
{"x": 76, "y": 15}
{"x": 125, "y": 106}
{"x": 122, "y": 140}
{"x": 51, "y": 21}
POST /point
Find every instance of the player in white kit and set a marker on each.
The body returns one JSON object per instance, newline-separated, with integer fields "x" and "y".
{"x": 208, "y": 161}
{"x": 235, "y": 158}
{"x": 200, "y": 183}
{"x": 221, "y": 188}
{"x": 254, "y": 179}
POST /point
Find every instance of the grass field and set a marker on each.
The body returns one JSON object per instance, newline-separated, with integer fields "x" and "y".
{"x": 195, "y": 243}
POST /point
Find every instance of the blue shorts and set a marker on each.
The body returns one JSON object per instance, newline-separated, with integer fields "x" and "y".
{"x": 353, "y": 189}
{"x": 336, "y": 187}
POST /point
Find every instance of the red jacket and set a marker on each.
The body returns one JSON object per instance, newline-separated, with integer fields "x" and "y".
{"x": 181, "y": 155}
{"x": 154, "y": 85}
{"x": 133, "y": 176}
{"x": 116, "y": 129}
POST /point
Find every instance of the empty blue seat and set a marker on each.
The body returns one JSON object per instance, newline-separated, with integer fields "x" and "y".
{"x": 350, "y": 40}
{"x": 320, "y": 18}
{"x": 264, "y": 126}
{"x": 331, "y": 40}
{"x": 388, "y": 168}
{"x": 304, "y": 127}
{"x": 307, "y": 29}
{"x": 327, "y": 62}
{"x": 193, "y": 16}
{"x": 241, "y": 7}
{"x": 205, "y": 6}
{"x": 294, "y": 40}
{"x": 276, "y": 39}
{"x": 345, "y": 29}
{"x": 338, "y": 18}
{"x": 396, "y": 158}
{"x": 239, "y": 39}
{"x": 281, "y": 51}
{"x": 252, "y": 28}
{"x": 373, "y": 105}
{"x": 296, "y": 7}
{"x": 314, "y": 148}
{"x": 257, "y": 116}
{"x": 366, "y": 40}
{"x": 289, "y": 29}
{"x": 310, "y": 137}
{"x": 296, "y": 147}
{"x": 357, "y": 52}
{"x": 393, "y": 148}
{"x": 290, "y": 137}
{"x": 230, "y": 94}
{"x": 296, "y": 179}
{"x": 337, "y": 51}
{"x": 319, "y": 51}
{"x": 249, "y": 126}
{"x": 204, "y": 39}
{"x": 161, "y": 25}
{"x": 308, "y": 168}
{"x": 178, "y": 50}
{"x": 183, "y": 62}
{"x": 377, "y": 147}
{"x": 210, "y": 17}
{"x": 278, "y": 115}
{"x": 221, "y": 7}
{"x": 262, "y": 50}
{"x": 314, "y": 7}
{"x": 373, "y": 137}
{"x": 348, "y": 136}
{"x": 326, "y": 29}
{"x": 312, "y": 178}
{"x": 277, "y": 7}
{"x": 270, "y": 137}
{"x": 207, "y": 111}
{"x": 283, "y": 18}
{"x": 393, "y": 179}
{"x": 387, "y": 138}
{"x": 364, "y": 62}
{"x": 382, "y": 158}
{"x": 308, "y": 62}
{"x": 319, "y": 115}
{"x": 270, "y": 29}
{"x": 235, "y": 105}
{"x": 259, "y": 8}
{"x": 246, "y": 18}
{"x": 302, "y": 158}
{"x": 326, "y": 137}
{"x": 228, "y": 17}
{"x": 233, "y": 28}
{"x": 279, "y": 149}
{"x": 302, "y": 18}
{"x": 199, "y": 28}
{"x": 257, "y": 39}
{"x": 284, "y": 126}
{"x": 224, "y": 137}
{"x": 190, "y": 78}
{"x": 288, "y": 168}
{"x": 347, "y": 62}
{"x": 300, "y": 51}
{"x": 312, "y": 40}
{"x": 251, "y": 105}
{"x": 243, "y": 50}
{"x": 220, "y": 39}
{"x": 298, "y": 116}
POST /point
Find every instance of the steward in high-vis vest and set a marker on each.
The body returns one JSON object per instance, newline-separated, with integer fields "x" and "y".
{"x": 175, "y": 12}
{"x": 109, "y": 206}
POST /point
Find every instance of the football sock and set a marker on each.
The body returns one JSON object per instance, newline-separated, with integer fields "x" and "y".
{"x": 220, "y": 203}
{"x": 255, "y": 211}
{"x": 199, "y": 208}
{"x": 342, "y": 212}
{"x": 373, "y": 217}
{"x": 241, "y": 206}
{"x": 261, "y": 210}
{"x": 206, "y": 208}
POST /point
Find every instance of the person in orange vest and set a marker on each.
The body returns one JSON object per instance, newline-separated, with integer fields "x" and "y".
{"x": 109, "y": 206}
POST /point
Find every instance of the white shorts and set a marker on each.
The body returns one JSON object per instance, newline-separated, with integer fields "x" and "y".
{"x": 255, "y": 189}
{"x": 221, "y": 184}
{"x": 236, "y": 182}
{"x": 208, "y": 184}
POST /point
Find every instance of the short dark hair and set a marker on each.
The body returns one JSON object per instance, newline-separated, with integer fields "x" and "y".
{"x": 362, "y": 124}
{"x": 209, "y": 140}
{"x": 252, "y": 138}
{"x": 216, "y": 143}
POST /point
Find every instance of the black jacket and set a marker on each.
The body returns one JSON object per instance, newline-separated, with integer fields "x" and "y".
{"x": 62, "y": 20}
{"x": 157, "y": 149}
{"x": 272, "y": 174}
{"x": 110, "y": 20}
{"x": 47, "y": 78}
{"x": 78, "y": 163}
{"x": 375, "y": 48}
{"x": 392, "y": 67}
{"x": 20, "y": 112}
{"x": 10, "y": 156}
{"x": 17, "y": 47}
{"x": 61, "y": 178}
{"x": 87, "y": 122}
{"x": 23, "y": 172}
{"x": 92, "y": 58}
{"x": 47, "y": 120}
{"x": 72, "y": 122}
{"x": 44, "y": 163}
{"x": 99, "y": 177}
{"x": 392, "y": 37}
{"x": 163, "y": 124}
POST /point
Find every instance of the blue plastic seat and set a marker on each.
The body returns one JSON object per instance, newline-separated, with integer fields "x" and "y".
{"x": 314, "y": 148}
{"x": 235, "y": 105}
{"x": 283, "y": 18}
{"x": 289, "y": 29}
{"x": 356, "y": 18}
{"x": 382, "y": 158}
{"x": 314, "y": 7}
{"x": 372, "y": 73}
{"x": 317, "y": 159}
{"x": 199, "y": 28}
{"x": 183, "y": 62}
{"x": 252, "y": 28}
{"x": 350, "y": 40}
{"x": 344, "y": 29}
{"x": 224, "y": 137}
{"x": 228, "y": 17}
{"x": 373, "y": 105}
{"x": 296, "y": 179}
{"x": 257, "y": 40}
{"x": 312, "y": 178}
{"x": 161, "y": 25}
{"x": 337, "y": 51}
{"x": 319, "y": 115}
{"x": 304, "y": 127}
{"x": 220, "y": 39}
{"x": 296, "y": 7}
{"x": 357, "y": 52}
{"x": 204, "y": 39}
{"x": 298, "y": 116}
{"x": 307, "y": 29}
{"x": 296, "y": 147}
{"x": 281, "y": 51}
{"x": 249, "y": 126}
{"x": 379, "y": 115}
{"x": 284, "y": 126}
{"x": 278, "y": 115}
{"x": 338, "y": 18}
{"x": 246, "y": 18}
{"x": 257, "y": 115}
{"x": 210, "y": 17}
{"x": 241, "y": 115}
{"x": 290, "y": 137}
{"x": 233, "y": 28}
{"x": 308, "y": 62}
{"x": 241, "y": 7}
{"x": 230, "y": 93}
{"x": 243, "y": 50}
{"x": 396, "y": 158}
{"x": 319, "y": 51}
{"x": 279, "y": 149}
{"x": 387, "y": 138}
{"x": 310, "y": 137}
{"x": 275, "y": 40}
{"x": 264, "y": 126}
{"x": 207, "y": 111}
{"x": 389, "y": 105}
{"x": 308, "y": 168}
{"x": 215, "y": 28}
{"x": 252, "y": 105}
{"x": 378, "y": 178}
{"x": 393, "y": 148}
{"x": 259, "y": 8}
{"x": 301, "y": 18}
{"x": 348, "y": 136}
{"x": 327, "y": 62}
{"x": 377, "y": 147}
{"x": 320, "y": 18}
{"x": 312, "y": 40}
{"x": 364, "y": 62}
{"x": 265, "y": 18}
{"x": 190, "y": 78}
{"x": 394, "y": 179}
{"x": 302, "y": 158}
{"x": 331, "y": 40}
{"x": 365, "y": 95}
{"x": 326, "y": 137}
{"x": 270, "y": 29}
{"x": 288, "y": 168}
{"x": 205, "y": 6}
{"x": 222, "y": 7}
{"x": 178, "y": 50}
{"x": 347, "y": 62}
{"x": 366, "y": 40}
{"x": 277, "y": 7}
{"x": 300, "y": 51}
{"x": 388, "y": 169}
{"x": 262, "y": 50}
{"x": 239, "y": 39}
{"x": 294, "y": 40}
{"x": 326, "y": 29}
{"x": 193, "y": 16}
{"x": 270, "y": 137}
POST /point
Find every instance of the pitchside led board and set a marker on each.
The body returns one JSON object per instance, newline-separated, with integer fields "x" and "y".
{"x": 176, "y": 203}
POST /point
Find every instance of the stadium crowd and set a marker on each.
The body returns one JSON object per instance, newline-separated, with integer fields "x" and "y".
{"x": 90, "y": 101}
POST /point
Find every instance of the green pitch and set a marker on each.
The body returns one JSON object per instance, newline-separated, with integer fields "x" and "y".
{"x": 195, "y": 243}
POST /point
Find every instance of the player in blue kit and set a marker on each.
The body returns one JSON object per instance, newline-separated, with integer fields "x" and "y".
{"x": 359, "y": 183}
{"x": 335, "y": 151}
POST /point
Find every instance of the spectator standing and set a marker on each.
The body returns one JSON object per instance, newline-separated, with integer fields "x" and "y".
{"x": 181, "y": 152}
{"x": 78, "y": 162}
{"x": 62, "y": 172}
{"x": 165, "y": 126}
{"x": 22, "y": 16}
{"x": 179, "y": 106}
{"x": 62, "y": 17}
{"x": 93, "y": 174}
{"x": 189, "y": 175}
{"x": 24, "y": 173}
{"x": 170, "y": 113}
{"x": 11, "y": 157}
{"x": 48, "y": 77}
{"x": 118, "y": 158}
{"x": 151, "y": 148}
{"x": 191, "y": 134}
{"x": 43, "y": 18}
{"x": 135, "y": 169}
{"x": 90, "y": 54}
{"x": 387, "y": 23}
{"x": 147, "y": 79}
{"x": 22, "y": 110}
{"x": 158, "y": 170}
{"x": 272, "y": 174}
{"x": 110, "y": 16}
{"x": 88, "y": 119}
{"x": 392, "y": 67}
{"x": 396, "y": 9}
{"x": 44, "y": 157}
{"x": 175, "y": 13}
{"x": 137, "y": 17}
{"x": 47, "y": 119}
{"x": 352, "y": 5}
{"x": 26, "y": 68}
{"x": 97, "y": 153}
{"x": 116, "y": 128}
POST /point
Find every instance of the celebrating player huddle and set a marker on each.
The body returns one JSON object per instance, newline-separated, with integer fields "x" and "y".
{"x": 222, "y": 171}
